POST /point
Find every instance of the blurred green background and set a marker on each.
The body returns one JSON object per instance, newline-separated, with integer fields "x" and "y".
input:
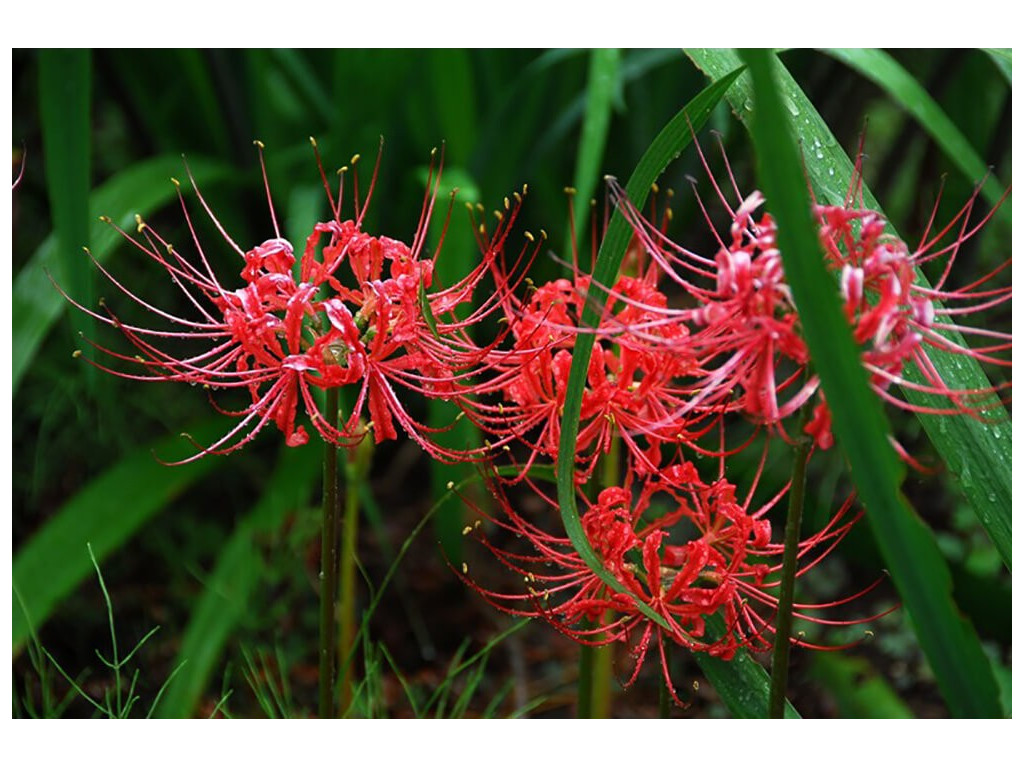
{"x": 221, "y": 554}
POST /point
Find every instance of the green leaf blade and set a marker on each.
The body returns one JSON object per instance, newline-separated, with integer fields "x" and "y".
{"x": 909, "y": 548}
{"x": 105, "y": 514}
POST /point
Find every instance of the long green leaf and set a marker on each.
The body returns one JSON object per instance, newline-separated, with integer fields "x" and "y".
{"x": 918, "y": 569}
{"x": 238, "y": 572}
{"x": 65, "y": 77}
{"x": 603, "y": 88}
{"x": 883, "y": 70}
{"x": 977, "y": 454}
{"x": 1003, "y": 59}
{"x": 739, "y": 694}
{"x": 141, "y": 189}
{"x": 858, "y": 690}
{"x": 742, "y": 683}
{"x": 106, "y": 513}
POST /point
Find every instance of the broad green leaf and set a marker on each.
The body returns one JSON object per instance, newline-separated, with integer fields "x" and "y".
{"x": 603, "y": 90}
{"x": 743, "y": 684}
{"x": 977, "y": 454}
{"x": 735, "y": 678}
{"x": 883, "y": 70}
{"x": 238, "y": 572}
{"x": 908, "y": 546}
{"x": 1003, "y": 58}
{"x": 142, "y": 189}
{"x": 106, "y": 513}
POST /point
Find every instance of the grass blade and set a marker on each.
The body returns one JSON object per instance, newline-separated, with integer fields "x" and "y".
{"x": 883, "y": 70}
{"x": 860, "y": 427}
{"x": 106, "y": 513}
{"x": 238, "y": 572}
{"x": 978, "y": 455}
{"x": 142, "y": 189}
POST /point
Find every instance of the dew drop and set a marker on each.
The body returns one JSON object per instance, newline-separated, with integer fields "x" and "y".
{"x": 748, "y": 105}
{"x": 819, "y": 154}
{"x": 792, "y": 107}
{"x": 992, "y": 497}
{"x": 996, "y": 433}
{"x": 831, "y": 171}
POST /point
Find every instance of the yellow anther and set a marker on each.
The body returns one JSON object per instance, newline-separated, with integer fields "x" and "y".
{"x": 868, "y": 633}
{"x": 259, "y": 144}
{"x": 528, "y": 236}
{"x": 525, "y": 188}
{"x": 175, "y": 182}
{"x": 354, "y": 160}
{"x": 654, "y": 187}
{"x": 465, "y": 568}
{"x": 499, "y": 216}
{"x": 105, "y": 219}
{"x": 506, "y": 204}
{"x": 312, "y": 141}
{"x": 77, "y": 353}
{"x": 543, "y": 235}
{"x": 696, "y": 686}
{"x": 467, "y": 530}
{"x": 343, "y": 169}
{"x": 518, "y": 197}
{"x": 569, "y": 190}
{"x": 139, "y": 223}
{"x": 451, "y": 485}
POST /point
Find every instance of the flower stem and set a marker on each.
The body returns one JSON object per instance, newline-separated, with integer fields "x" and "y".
{"x": 784, "y": 616}
{"x": 329, "y": 563}
{"x": 357, "y": 464}
{"x": 594, "y": 691}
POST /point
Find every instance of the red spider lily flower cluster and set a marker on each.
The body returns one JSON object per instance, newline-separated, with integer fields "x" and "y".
{"x": 667, "y": 375}
{"x": 356, "y": 309}
{"x": 747, "y": 334}
{"x": 681, "y": 547}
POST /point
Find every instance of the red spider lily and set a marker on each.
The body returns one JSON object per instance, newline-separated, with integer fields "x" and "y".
{"x": 684, "y": 548}
{"x": 747, "y": 334}
{"x": 632, "y": 383}
{"x": 358, "y": 311}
